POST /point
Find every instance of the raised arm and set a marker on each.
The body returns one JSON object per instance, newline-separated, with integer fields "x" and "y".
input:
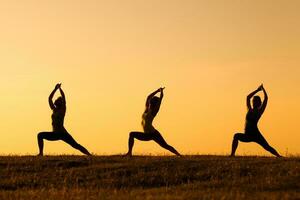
{"x": 62, "y": 95}
{"x": 265, "y": 102}
{"x": 161, "y": 93}
{"x": 155, "y": 111}
{"x": 150, "y": 97}
{"x": 51, "y": 96}
{"x": 251, "y": 95}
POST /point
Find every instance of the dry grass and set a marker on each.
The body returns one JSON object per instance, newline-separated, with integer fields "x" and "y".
{"x": 115, "y": 177}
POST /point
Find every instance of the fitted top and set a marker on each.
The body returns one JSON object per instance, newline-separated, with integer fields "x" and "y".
{"x": 252, "y": 119}
{"x": 58, "y": 117}
{"x": 147, "y": 119}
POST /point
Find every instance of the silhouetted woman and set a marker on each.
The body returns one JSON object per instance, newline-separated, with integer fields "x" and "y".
{"x": 252, "y": 133}
{"x": 59, "y": 132}
{"x": 150, "y": 133}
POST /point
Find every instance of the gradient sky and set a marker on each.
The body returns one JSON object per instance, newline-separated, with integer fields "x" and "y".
{"x": 209, "y": 54}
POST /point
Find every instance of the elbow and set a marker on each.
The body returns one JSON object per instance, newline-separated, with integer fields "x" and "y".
{"x": 50, "y": 97}
{"x": 266, "y": 100}
{"x": 266, "y": 97}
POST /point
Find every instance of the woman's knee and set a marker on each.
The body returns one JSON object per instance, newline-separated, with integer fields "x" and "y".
{"x": 167, "y": 146}
{"x": 237, "y": 136}
{"x": 77, "y": 146}
{"x": 163, "y": 143}
{"x": 41, "y": 135}
{"x": 70, "y": 140}
{"x": 267, "y": 147}
{"x": 132, "y": 135}
{"x": 74, "y": 144}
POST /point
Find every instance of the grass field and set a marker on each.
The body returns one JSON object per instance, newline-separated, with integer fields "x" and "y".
{"x": 144, "y": 177}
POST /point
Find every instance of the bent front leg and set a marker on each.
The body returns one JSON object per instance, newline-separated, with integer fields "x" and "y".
{"x": 136, "y": 135}
{"x": 47, "y": 136}
{"x": 236, "y": 138}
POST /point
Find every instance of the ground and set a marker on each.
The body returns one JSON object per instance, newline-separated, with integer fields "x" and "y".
{"x": 149, "y": 177}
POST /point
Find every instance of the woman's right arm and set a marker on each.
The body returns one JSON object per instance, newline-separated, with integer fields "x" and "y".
{"x": 51, "y": 96}
{"x": 251, "y": 95}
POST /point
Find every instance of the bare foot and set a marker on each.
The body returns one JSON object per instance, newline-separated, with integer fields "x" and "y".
{"x": 128, "y": 155}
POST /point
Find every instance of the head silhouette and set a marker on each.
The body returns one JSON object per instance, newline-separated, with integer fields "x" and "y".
{"x": 256, "y": 102}
{"x": 154, "y": 102}
{"x": 59, "y": 102}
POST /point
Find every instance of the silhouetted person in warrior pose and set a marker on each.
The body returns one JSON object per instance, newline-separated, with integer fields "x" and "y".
{"x": 59, "y": 132}
{"x": 150, "y": 133}
{"x": 252, "y": 133}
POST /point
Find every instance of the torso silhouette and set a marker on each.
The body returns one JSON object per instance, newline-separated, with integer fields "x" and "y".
{"x": 147, "y": 120}
{"x": 58, "y": 116}
{"x": 252, "y": 119}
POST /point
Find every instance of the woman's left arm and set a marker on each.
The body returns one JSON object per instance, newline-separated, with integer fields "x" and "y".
{"x": 62, "y": 94}
{"x": 265, "y": 102}
{"x": 161, "y": 93}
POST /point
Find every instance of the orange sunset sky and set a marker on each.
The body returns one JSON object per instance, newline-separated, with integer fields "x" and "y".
{"x": 110, "y": 54}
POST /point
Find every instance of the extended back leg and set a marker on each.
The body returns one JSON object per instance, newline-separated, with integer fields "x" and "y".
{"x": 161, "y": 141}
{"x": 262, "y": 141}
{"x": 70, "y": 140}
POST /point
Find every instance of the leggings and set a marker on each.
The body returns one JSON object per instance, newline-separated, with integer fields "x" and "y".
{"x": 155, "y": 136}
{"x": 257, "y": 137}
{"x": 59, "y": 135}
